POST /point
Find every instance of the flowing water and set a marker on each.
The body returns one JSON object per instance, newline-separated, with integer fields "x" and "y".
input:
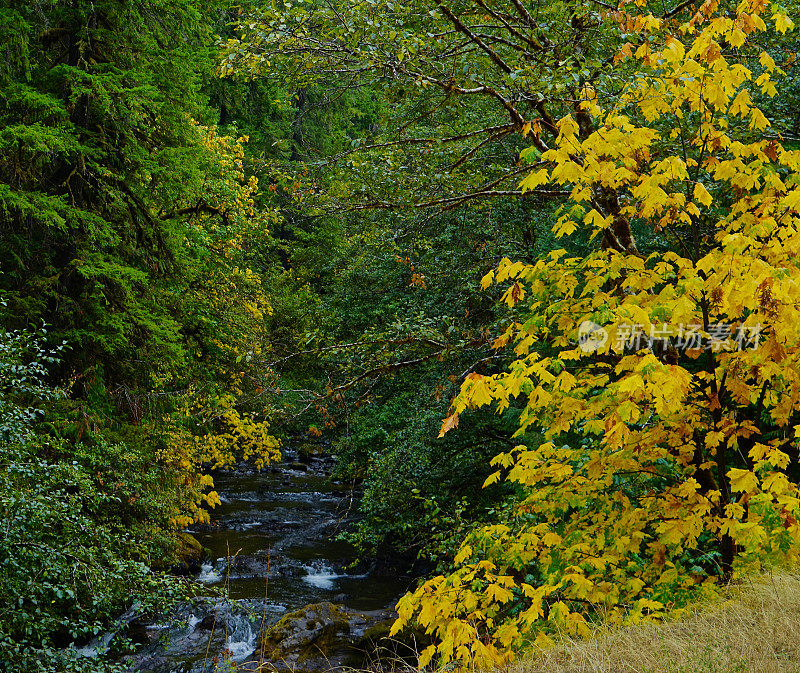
{"x": 273, "y": 548}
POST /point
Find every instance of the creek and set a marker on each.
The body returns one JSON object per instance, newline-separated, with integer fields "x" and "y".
{"x": 273, "y": 548}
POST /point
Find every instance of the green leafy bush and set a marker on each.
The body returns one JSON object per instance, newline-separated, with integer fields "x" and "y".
{"x": 79, "y": 522}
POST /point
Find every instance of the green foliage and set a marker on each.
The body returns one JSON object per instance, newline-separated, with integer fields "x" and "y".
{"x": 23, "y": 364}
{"x": 368, "y": 297}
{"x": 79, "y": 525}
{"x": 74, "y": 550}
{"x": 98, "y": 156}
{"x": 123, "y": 216}
{"x": 124, "y": 221}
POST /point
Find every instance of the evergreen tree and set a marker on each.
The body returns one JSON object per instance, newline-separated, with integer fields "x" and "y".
{"x": 99, "y": 157}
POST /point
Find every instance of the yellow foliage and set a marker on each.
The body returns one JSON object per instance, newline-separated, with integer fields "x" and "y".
{"x": 651, "y": 453}
{"x": 219, "y": 436}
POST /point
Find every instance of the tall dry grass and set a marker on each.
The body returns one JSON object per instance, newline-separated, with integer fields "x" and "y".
{"x": 756, "y": 629}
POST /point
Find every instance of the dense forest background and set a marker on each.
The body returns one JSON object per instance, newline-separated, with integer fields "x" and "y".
{"x": 174, "y": 300}
{"x": 211, "y": 249}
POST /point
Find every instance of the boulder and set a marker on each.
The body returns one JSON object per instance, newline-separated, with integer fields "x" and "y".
{"x": 327, "y": 637}
{"x": 401, "y": 649}
{"x": 315, "y": 631}
{"x": 189, "y": 553}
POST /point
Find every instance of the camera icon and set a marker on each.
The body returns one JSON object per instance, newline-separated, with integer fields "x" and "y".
{"x": 591, "y": 336}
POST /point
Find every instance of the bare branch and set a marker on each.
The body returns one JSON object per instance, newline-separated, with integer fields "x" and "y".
{"x": 466, "y": 31}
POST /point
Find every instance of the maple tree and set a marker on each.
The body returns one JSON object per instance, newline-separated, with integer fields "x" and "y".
{"x": 667, "y": 462}
{"x": 460, "y": 83}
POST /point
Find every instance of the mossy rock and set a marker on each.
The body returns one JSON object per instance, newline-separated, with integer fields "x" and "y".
{"x": 183, "y": 556}
{"x": 313, "y": 631}
{"x": 377, "y": 646}
{"x": 377, "y": 632}
{"x": 308, "y": 450}
{"x": 189, "y": 552}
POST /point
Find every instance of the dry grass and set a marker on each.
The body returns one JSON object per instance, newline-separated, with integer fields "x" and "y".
{"x": 756, "y": 629}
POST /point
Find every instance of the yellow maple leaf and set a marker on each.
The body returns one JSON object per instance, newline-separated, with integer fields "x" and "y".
{"x": 742, "y": 481}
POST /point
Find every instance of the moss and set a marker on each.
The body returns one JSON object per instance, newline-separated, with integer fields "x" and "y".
{"x": 183, "y": 555}
{"x": 309, "y": 632}
{"x": 377, "y": 632}
{"x": 189, "y": 551}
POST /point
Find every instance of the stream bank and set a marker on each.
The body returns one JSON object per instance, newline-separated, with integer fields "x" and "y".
{"x": 293, "y": 595}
